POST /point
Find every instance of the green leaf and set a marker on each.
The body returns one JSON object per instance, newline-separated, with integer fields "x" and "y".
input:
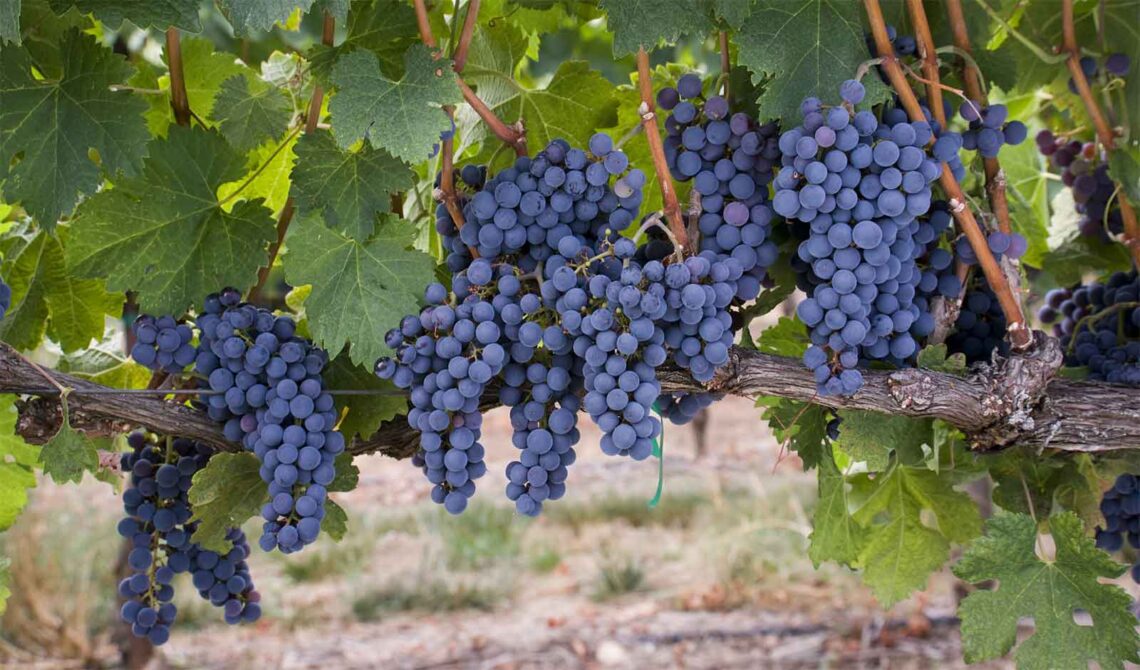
{"x": 1027, "y": 191}
{"x": 362, "y": 414}
{"x": 55, "y": 123}
{"x": 104, "y": 363}
{"x": 268, "y": 173}
{"x": 1124, "y": 166}
{"x": 165, "y": 235}
{"x": 405, "y": 116}
{"x": 347, "y": 188}
{"x": 249, "y": 111}
{"x": 648, "y": 23}
{"x": 347, "y": 474}
{"x": 934, "y": 357}
{"x": 205, "y": 70}
{"x": 802, "y": 426}
{"x": 835, "y": 535}
{"x": 901, "y": 551}
{"x": 159, "y": 14}
{"x": 4, "y": 565}
{"x": 335, "y": 523}
{"x": 251, "y": 16}
{"x": 9, "y": 32}
{"x": 870, "y": 437}
{"x": 573, "y": 104}
{"x": 67, "y": 455}
{"x": 1050, "y": 592}
{"x": 807, "y": 48}
{"x": 48, "y": 299}
{"x": 360, "y": 289}
{"x": 385, "y": 27}
{"x": 787, "y": 338}
{"x": 17, "y": 465}
{"x": 224, "y": 494}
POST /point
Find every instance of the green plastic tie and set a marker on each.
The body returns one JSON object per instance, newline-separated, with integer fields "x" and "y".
{"x": 659, "y": 452}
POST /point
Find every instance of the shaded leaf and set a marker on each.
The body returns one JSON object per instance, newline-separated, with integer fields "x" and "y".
{"x": 158, "y": 14}
{"x": 67, "y": 455}
{"x": 362, "y": 414}
{"x": 249, "y": 111}
{"x": 802, "y": 426}
{"x": 648, "y": 23}
{"x": 224, "y": 494}
{"x": 250, "y": 16}
{"x": 835, "y": 535}
{"x": 17, "y": 465}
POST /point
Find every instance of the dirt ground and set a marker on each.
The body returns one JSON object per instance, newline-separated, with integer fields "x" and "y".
{"x": 716, "y": 576}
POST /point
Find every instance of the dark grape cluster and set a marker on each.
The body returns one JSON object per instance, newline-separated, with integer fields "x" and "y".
{"x": 682, "y": 407}
{"x": 857, "y": 192}
{"x": 559, "y": 312}
{"x": 159, "y": 528}
{"x": 163, "y": 344}
{"x": 1120, "y": 506}
{"x": 729, "y": 159}
{"x": 1099, "y": 324}
{"x": 988, "y": 128}
{"x": 5, "y": 298}
{"x": 1085, "y": 171}
{"x": 981, "y": 325}
{"x": 263, "y": 383}
{"x": 1115, "y": 65}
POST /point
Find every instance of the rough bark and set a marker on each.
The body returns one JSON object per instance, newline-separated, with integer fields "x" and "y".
{"x": 1012, "y": 401}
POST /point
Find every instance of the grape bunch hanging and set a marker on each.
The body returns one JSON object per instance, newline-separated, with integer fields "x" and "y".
{"x": 262, "y": 382}
{"x": 159, "y": 528}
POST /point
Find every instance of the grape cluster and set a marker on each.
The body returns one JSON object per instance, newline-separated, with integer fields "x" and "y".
{"x": 1084, "y": 171}
{"x": 1120, "y": 506}
{"x": 559, "y": 312}
{"x": 1001, "y": 244}
{"x": 1099, "y": 324}
{"x": 681, "y": 407}
{"x": 159, "y": 528}
{"x": 1115, "y": 65}
{"x": 988, "y": 128}
{"x": 857, "y": 192}
{"x": 263, "y": 383}
{"x": 729, "y": 159}
{"x": 5, "y": 298}
{"x": 980, "y": 327}
{"x": 163, "y": 344}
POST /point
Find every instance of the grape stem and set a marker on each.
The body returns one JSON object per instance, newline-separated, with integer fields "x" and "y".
{"x": 725, "y": 63}
{"x": 312, "y": 119}
{"x": 975, "y": 89}
{"x": 648, "y": 112}
{"x": 929, "y": 59}
{"x": 179, "y": 101}
{"x": 512, "y": 136}
{"x": 1104, "y": 133}
{"x": 1019, "y": 334}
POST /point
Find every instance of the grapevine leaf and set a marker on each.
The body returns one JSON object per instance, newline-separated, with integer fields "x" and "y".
{"x": 870, "y": 437}
{"x": 17, "y": 465}
{"x": 165, "y": 235}
{"x": 1027, "y": 191}
{"x": 249, "y": 111}
{"x": 648, "y": 23}
{"x": 48, "y": 299}
{"x": 808, "y": 48}
{"x": 158, "y": 14}
{"x": 802, "y": 426}
{"x": 335, "y": 523}
{"x": 9, "y": 32}
{"x": 250, "y": 16}
{"x": 362, "y": 414}
{"x": 835, "y": 535}
{"x": 901, "y": 551}
{"x": 224, "y": 494}
{"x": 1050, "y": 592}
{"x": 56, "y": 123}
{"x": 733, "y": 12}
{"x": 385, "y": 27}
{"x": 572, "y": 105}
{"x": 104, "y": 364}
{"x": 348, "y": 188}
{"x": 347, "y": 474}
{"x": 268, "y": 173}
{"x": 787, "y": 338}
{"x": 360, "y": 289}
{"x": 404, "y": 117}
{"x": 69, "y": 454}
{"x": 205, "y": 69}
{"x": 937, "y": 357}
{"x": 1124, "y": 166}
